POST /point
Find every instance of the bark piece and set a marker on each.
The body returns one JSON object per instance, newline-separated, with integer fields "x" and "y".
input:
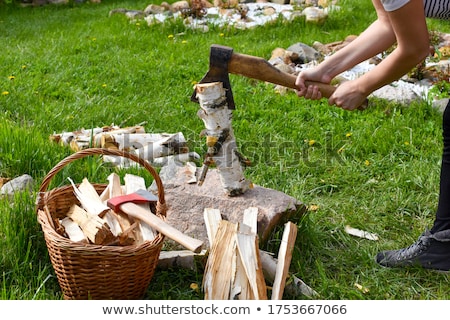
{"x": 181, "y": 259}
{"x": 361, "y": 233}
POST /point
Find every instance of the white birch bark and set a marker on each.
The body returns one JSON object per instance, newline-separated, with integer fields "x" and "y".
{"x": 221, "y": 142}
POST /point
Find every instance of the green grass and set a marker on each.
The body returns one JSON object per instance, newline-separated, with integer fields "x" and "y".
{"x": 75, "y": 67}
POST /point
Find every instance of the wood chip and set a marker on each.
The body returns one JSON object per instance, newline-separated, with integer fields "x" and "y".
{"x": 361, "y": 233}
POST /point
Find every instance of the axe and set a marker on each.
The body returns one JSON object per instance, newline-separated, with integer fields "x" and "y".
{"x": 222, "y": 61}
{"x": 128, "y": 204}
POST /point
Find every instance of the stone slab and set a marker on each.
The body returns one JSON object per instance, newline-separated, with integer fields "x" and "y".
{"x": 187, "y": 201}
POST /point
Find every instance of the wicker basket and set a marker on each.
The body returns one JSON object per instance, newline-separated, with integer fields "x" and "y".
{"x": 88, "y": 271}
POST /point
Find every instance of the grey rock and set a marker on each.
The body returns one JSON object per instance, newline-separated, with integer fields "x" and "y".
{"x": 187, "y": 201}
{"x": 21, "y": 183}
{"x": 305, "y": 53}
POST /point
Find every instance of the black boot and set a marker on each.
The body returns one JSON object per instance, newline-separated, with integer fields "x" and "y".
{"x": 430, "y": 251}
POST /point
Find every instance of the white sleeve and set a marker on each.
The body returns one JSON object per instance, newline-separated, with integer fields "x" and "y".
{"x": 391, "y": 5}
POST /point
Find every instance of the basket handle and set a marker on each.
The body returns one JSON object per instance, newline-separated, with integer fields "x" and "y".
{"x": 161, "y": 205}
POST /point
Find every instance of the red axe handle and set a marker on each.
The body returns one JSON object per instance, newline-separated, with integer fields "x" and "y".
{"x": 158, "y": 224}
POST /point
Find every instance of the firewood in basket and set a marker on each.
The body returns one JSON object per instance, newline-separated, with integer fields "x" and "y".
{"x": 73, "y": 230}
{"x": 134, "y": 183}
{"x": 86, "y": 194}
{"x": 94, "y": 227}
{"x": 91, "y": 202}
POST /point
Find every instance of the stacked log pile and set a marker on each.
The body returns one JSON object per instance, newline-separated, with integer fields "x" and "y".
{"x": 156, "y": 148}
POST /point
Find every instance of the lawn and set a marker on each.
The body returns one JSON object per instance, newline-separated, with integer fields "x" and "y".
{"x": 73, "y": 66}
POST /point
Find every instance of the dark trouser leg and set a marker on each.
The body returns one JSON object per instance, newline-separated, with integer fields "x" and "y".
{"x": 432, "y": 249}
{"x": 442, "y": 221}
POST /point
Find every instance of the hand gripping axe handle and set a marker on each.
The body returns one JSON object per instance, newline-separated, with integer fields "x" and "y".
{"x": 223, "y": 61}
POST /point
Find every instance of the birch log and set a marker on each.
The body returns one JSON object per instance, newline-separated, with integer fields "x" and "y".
{"x": 222, "y": 148}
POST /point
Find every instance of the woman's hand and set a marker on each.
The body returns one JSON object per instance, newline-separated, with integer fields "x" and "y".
{"x": 348, "y": 96}
{"x": 309, "y": 91}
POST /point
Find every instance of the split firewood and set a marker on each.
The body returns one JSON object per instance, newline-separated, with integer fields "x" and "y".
{"x": 253, "y": 285}
{"x": 94, "y": 227}
{"x": 188, "y": 260}
{"x": 250, "y": 219}
{"x": 233, "y": 269}
{"x": 177, "y": 159}
{"x": 87, "y": 197}
{"x": 284, "y": 260}
{"x": 191, "y": 172}
{"x": 113, "y": 189}
{"x": 91, "y": 201}
{"x": 127, "y": 230}
{"x": 221, "y": 265}
{"x": 130, "y": 234}
{"x": 248, "y": 250}
{"x": 294, "y": 286}
{"x": 212, "y": 219}
{"x": 134, "y": 183}
{"x": 73, "y": 230}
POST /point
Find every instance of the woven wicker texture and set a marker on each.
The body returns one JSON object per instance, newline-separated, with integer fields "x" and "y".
{"x": 88, "y": 271}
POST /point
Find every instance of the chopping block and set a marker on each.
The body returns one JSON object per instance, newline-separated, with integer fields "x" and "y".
{"x": 187, "y": 201}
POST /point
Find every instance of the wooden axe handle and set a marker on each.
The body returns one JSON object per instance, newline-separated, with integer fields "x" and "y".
{"x": 148, "y": 217}
{"x": 260, "y": 69}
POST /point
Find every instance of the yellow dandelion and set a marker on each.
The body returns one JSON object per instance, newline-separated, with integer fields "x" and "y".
{"x": 194, "y": 286}
{"x": 24, "y": 67}
{"x": 311, "y": 142}
{"x": 221, "y": 34}
{"x": 184, "y": 41}
{"x": 5, "y": 93}
{"x": 104, "y": 85}
{"x": 348, "y": 135}
{"x": 170, "y": 36}
{"x": 138, "y": 24}
{"x": 406, "y": 143}
{"x": 367, "y": 163}
{"x": 361, "y": 288}
{"x": 11, "y": 77}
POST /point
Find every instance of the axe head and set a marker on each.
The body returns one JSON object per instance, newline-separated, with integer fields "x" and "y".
{"x": 139, "y": 196}
{"x": 218, "y": 71}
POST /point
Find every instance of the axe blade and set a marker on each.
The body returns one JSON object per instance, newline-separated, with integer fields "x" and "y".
{"x": 218, "y": 72}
